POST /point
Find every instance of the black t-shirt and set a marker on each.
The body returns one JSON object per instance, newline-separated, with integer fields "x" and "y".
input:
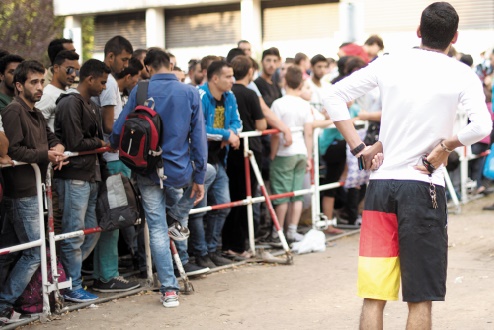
{"x": 249, "y": 109}
{"x": 269, "y": 92}
{"x": 216, "y": 154}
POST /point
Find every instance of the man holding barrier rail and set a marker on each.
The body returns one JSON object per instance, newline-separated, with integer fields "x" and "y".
{"x": 31, "y": 141}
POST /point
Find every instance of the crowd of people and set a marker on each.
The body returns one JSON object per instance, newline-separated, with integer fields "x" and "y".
{"x": 76, "y": 107}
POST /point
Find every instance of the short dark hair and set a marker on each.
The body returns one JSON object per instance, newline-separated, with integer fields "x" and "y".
{"x": 467, "y": 59}
{"x": 214, "y": 69}
{"x": 375, "y": 39}
{"x": 289, "y": 60}
{"x": 271, "y": 51}
{"x": 192, "y": 64}
{"x": 438, "y": 25}
{"x": 318, "y": 58}
{"x": 3, "y": 52}
{"x": 139, "y": 52}
{"x": 157, "y": 58}
{"x": 25, "y": 68}
{"x": 242, "y": 42}
{"x": 353, "y": 64}
{"x": 294, "y": 76}
{"x": 255, "y": 65}
{"x": 234, "y": 52}
{"x": 207, "y": 60}
{"x": 56, "y": 46}
{"x": 241, "y": 65}
{"x": 7, "y": 59}
{"x": 299, "y": 57}
{"x": 65, "y": 55}
{"x": 134, "y": 68}
{"x": 117, "y": 45}
{"x": 94, "y": 68}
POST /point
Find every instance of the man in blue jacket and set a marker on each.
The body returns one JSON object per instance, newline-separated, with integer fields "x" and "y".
{"x": 180, "y": 110}
{"x": 223, "y": 125}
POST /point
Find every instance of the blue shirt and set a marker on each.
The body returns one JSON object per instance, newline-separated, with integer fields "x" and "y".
{"x": 179, "y": 107}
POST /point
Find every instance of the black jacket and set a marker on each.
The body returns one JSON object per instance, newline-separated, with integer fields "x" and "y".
{"x": 29, "y": 141}
{"x": 78, "y": 126}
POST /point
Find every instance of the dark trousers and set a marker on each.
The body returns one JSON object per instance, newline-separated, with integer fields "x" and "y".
{"x": 236, "y": 229}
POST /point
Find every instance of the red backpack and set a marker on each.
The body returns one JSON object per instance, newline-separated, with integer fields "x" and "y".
{"x": 140, "y": 137}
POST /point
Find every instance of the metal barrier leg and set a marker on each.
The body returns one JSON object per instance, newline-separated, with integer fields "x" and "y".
{"x": 188, "y": 287}
{"x": 250, "y": 211}
{"x": 451, "y": 190}
{"x": 44, "y": 276}
{"x": 149, "y": 261}
{"x": 289, "y": 256}
{"x": 56, "y": 286}
{"x": 464, "y": 176}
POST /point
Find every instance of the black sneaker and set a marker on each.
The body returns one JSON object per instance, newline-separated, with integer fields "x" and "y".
{"x": 116, "y": 284}
{"x": 9, "y": 316}
{"x": 204, "y": 261}
{"x": 192, "y": 270}
{"x": 218, "y": 260}
{"x": 274, "y": 241}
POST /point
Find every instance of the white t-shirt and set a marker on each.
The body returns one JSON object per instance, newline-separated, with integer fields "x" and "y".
{"x": 110, "y": 96}
{"x": 47, "y": 104}
{"x": 420, "y": 91}
{"x": 318, "y": 93}
{"x": 294, "y": 112}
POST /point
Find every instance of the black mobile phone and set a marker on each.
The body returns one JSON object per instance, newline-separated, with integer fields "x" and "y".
{"x": 361, "y": 163}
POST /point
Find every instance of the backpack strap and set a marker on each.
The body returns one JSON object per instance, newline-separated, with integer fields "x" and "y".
{"x": 142, "y": 92}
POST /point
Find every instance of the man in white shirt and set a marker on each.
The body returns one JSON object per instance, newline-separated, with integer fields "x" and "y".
{"x": 319, "y": 66}
{"x": 404, "y": 225}
{"x": 65, "y": 69}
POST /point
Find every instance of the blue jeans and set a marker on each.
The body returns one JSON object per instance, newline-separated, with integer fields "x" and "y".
{"x": 154, "y": 203}
{"x": 218, "y": 192}
{"x": 179, "y": 205}
{"x": 77, "y": 200}
{"x": 22, "y": 221}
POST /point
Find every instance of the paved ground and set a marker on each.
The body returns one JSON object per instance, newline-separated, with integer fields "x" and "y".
{"x": 317, "y": 292}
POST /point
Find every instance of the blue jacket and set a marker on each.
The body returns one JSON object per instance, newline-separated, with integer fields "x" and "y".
{"x": 232, "y": 117}
{"x": 179, "y": 107}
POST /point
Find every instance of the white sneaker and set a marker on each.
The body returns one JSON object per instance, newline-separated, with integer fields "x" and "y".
{"x": 170, "y": 299}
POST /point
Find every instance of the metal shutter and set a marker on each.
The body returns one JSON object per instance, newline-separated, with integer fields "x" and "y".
{"x": 292, "y": 19}
{"x": 391, "y": 16}
{"x": 129, "y": 25}
{"x": 477, "y": 14}
{"x": 205, "y": 26}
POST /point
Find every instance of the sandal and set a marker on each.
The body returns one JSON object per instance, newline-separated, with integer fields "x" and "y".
{"x": 235, "y": 256}
{"x": 333, "y": 231}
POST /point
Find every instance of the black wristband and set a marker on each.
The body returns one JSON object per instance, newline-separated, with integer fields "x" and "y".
{"x": 358, "y": 149}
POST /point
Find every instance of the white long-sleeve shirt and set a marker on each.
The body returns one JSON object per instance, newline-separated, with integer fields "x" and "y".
{"x": 421, "y": 91}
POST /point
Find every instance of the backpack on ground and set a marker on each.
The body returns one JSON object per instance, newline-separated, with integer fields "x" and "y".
{"x": 118, "y": 203}
{"x": 140, "y": 137}
{"x": 31, "y": 299}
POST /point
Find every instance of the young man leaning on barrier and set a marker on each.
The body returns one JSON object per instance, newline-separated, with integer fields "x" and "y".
{"x": 78, "y": 126}
{"x": 404, "y": 227}
{"x": 31, "y": 141}
{"x": 184, "y": 157}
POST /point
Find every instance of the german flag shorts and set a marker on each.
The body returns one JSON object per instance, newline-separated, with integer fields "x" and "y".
{"x": 402, "y": 235}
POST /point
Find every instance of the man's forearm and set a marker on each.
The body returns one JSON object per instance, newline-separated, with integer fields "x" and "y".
{"x": 4, "y": 144}
{"x": 349, "y": 132}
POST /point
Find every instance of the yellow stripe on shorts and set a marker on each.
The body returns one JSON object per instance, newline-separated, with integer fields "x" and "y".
{"x": 378, "y": 278}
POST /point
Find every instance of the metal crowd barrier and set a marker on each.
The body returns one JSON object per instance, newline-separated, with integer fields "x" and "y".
{"x": 319, "y": 221}
{"x": 46, "y": 287}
